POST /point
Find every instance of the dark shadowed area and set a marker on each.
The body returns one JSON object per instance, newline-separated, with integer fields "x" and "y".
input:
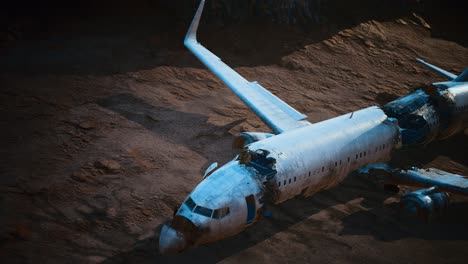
{"x": 108, "y": 123}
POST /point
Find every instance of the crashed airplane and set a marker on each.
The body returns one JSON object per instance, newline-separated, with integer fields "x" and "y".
{"x": 302, "y": 158}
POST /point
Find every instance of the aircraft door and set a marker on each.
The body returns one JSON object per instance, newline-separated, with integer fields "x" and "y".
{"x": 250, "y": 201}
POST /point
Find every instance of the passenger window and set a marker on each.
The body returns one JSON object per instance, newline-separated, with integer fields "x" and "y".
{"x": 284, "y": 183}
{"x": 357, "y": 156}
{"x": 289, "y": 180}
{"x": 279, "y": 184}
{"x": 360, "y": 155}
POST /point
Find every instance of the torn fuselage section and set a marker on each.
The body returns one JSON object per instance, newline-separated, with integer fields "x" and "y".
{"x": 435, "y": 111}
{"x": 246, "y": 138}
{"x": 260, "y": 160}
{"x": 265, "y": 166}
{"x": 417, "y": 117}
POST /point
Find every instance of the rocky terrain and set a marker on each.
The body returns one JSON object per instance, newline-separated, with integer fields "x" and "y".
{"x": 108, "y": 123}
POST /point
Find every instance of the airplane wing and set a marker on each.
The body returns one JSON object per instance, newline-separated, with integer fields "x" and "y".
{"x": 277, "y": 114}
{"x": 444, "y": 181}
{"x": 442, "y": 72}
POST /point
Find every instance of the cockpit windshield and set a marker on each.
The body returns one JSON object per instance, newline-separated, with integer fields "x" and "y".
{"x": 216, "y": 214}
{"x": 203, "y": 211}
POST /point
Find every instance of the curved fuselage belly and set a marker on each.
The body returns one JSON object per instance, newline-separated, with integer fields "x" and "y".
{"x": 322, "y": 155}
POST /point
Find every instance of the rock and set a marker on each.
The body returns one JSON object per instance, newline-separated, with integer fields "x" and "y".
{"x": 109, "y": 166}
{"x": 111, "y": 212}
{"x": 87, "y": 125}
{"x": 79, "y": 176}
{"x": 422, "y": 21}
{"x": 401, "y": 21}
{"x": 346, "y": 33}
{"x": 369, "y": 44}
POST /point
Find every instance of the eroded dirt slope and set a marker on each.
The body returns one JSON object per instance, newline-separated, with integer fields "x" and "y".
{"x": 105, "y": 132}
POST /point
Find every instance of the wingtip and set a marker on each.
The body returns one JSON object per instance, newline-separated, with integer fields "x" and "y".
{"x": 420, "y": 61}
{"x": 192, "y": 31}
{"x": 440, "y": 71}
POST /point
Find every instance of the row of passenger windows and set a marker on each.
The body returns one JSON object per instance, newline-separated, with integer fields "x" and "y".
{"x": 318, "y": 171}
{"x": 216, "y": 214}
{"x": 287, "y": 181}
{"x": 460, "y": 108}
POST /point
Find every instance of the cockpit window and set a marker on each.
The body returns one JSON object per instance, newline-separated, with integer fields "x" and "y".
{"x": 203, "y": 211}
{"x": 216, "y": 214}
{"x": 220, "y": 213}
{"x": 190, "y": 204}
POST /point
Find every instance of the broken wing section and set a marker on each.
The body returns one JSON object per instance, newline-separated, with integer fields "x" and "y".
{"x": 277, "y": 114}
{"x": 445, "y": 181}
{"x": 418, "y": 177}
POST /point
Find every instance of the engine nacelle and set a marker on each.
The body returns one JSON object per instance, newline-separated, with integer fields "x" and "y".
{"x": 246, "y": 138}
{"x": 425, "y": 204}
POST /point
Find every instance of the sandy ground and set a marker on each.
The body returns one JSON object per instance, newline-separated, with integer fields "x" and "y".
{"x": 105, "y": 132}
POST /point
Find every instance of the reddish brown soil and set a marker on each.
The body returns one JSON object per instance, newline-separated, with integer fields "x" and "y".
{"x": 105, "y": 132}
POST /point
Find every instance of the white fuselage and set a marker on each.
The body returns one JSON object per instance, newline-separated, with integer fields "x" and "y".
{"x": 459, "y": 120}
{"x": 320, "y": 156}
{"x": 306, "y": 160}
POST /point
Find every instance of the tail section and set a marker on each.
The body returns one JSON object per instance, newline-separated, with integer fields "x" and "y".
{"x": 463, "y": 77}
{"x": 446, "y": 74}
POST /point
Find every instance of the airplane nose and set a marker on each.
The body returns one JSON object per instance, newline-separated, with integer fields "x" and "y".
{"x": 171, "y": 241}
